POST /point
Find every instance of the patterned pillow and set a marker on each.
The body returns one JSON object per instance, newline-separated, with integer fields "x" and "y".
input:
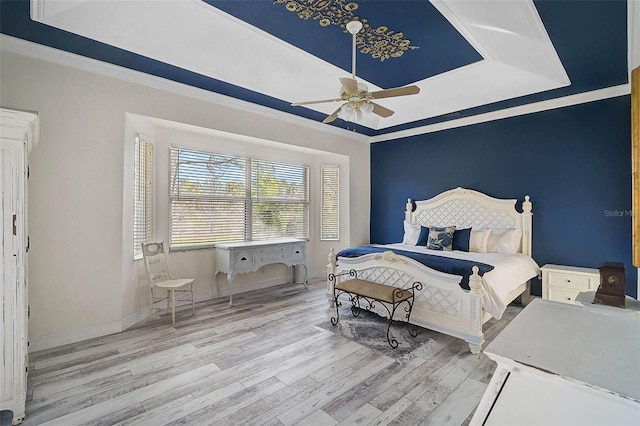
{"x": 441, "y": 238}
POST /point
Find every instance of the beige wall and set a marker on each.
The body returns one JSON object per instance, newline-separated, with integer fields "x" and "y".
{"x": 83, "y": 281}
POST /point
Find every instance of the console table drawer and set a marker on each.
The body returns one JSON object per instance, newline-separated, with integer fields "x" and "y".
{"x": 273, "y": 254}
{"x": 298, "y": 252}
{"x": 242, "y": 259}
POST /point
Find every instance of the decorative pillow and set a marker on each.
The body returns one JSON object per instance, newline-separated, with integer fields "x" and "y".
{"x": 411, "y": 233}
{"x": 478, "y": 240}
{"x": 424, "y": 236}
{"x": 505, "y": 241}
{"x": 441, "y": 238}
{"x": 461, "y": 239}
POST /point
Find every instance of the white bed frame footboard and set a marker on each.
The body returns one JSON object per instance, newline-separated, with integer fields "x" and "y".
{"x": 442, "y": 305}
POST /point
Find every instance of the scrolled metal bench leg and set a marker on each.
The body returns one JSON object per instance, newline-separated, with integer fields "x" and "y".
{"x": 334, "y": 320}
{"x": 392, "y": 341}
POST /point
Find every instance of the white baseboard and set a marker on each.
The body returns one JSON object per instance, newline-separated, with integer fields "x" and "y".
{"x": 100, "y": 330}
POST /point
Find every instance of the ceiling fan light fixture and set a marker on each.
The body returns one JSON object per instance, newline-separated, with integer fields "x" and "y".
{"x": 347, "y": 111}
{"x": 355, "y": 109}
{"x": 366, "y": 107}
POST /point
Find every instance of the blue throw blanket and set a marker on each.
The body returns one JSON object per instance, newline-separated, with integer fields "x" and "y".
{"x": 443, "y": 264}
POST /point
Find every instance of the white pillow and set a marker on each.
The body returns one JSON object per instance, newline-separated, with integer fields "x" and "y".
{"x": 411, "y": 233}
{"x": 478, "y": 240}
{"x": 505, "y": 241}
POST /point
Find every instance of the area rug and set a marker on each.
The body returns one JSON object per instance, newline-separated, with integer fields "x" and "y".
{"x": 370, "y": 329}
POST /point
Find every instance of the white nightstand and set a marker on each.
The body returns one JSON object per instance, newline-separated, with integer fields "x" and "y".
{"x": 562, "y": 283}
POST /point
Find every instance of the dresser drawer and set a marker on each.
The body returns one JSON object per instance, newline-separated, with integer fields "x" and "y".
{"x": 571, "y": 281}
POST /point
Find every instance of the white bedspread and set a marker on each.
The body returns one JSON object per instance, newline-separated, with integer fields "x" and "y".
{"x": 510, "y": 271}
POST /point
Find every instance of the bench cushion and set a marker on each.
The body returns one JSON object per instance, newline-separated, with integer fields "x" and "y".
{"x": 382, "y": 292}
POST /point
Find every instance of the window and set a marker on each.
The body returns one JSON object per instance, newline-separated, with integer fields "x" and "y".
{"x": 224, "y": 198}
{"x": 143, "y": 195}
{"x": 330, "y": 209}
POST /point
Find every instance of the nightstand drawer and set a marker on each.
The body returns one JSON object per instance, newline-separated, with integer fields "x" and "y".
{"x": 564, "y": 295}
{"x": 568, "y": 280}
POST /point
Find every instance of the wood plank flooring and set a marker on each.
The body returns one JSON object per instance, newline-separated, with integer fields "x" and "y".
{"x": 262, "y": 362}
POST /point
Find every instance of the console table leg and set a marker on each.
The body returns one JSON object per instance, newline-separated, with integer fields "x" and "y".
{"x": 306, "y": 273}
{"x": 230, "y": 278}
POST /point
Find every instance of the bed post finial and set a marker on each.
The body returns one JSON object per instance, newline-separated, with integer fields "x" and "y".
{"x": 332, "y": 257}
{"x": 408, "y": 210}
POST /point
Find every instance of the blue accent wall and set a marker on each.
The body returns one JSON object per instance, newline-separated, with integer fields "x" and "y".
{"x": 574, "y": 162}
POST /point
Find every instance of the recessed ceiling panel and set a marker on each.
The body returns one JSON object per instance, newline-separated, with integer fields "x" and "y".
{"x": 400, "y": 43}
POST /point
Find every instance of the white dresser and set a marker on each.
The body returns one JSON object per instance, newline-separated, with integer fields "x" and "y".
{"x": 562, "y": 283}
{"x": 561, "y": 364}
{"x": 249, "y": 256}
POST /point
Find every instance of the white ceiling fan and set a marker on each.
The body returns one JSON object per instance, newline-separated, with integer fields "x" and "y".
{"x": 356, "y": 98}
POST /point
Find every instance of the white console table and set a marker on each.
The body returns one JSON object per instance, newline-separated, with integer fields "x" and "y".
{"x": 249, "y": 256}
{"x": 561, "y": 364}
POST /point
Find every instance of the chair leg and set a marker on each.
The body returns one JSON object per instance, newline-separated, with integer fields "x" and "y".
{"x": 193, "y": 302}
{"x": 152, "y": 304}
{"x": 173, "y": 306}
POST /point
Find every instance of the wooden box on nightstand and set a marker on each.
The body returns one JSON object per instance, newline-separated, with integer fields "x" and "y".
{"x": 562, "y": 283}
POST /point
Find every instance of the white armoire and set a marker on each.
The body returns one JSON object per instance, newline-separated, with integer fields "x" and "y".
{"x": 18, "y": 133}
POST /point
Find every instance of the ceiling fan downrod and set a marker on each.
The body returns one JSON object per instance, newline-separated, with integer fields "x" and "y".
{"x": 353, "y": 27}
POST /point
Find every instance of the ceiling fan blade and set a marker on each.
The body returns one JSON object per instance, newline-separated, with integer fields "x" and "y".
{"x": 332, "y": 117}
{"x": 398, "y": 91}
{"x": 315, "y": 102}
{"x": 381, "y": 111}
{"x": 350, "y": 85}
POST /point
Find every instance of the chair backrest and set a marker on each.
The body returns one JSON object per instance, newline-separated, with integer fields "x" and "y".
{"x": 155, "y": 262}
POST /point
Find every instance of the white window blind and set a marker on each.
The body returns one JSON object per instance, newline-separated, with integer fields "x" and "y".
{"x": 224, "y": 198}
{"x": 143, "y": 195}
{"x": 280, "y": 200}
{"x": 330, "y": 200}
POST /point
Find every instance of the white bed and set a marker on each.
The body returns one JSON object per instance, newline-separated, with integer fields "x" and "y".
{"x": 442, "y": 304}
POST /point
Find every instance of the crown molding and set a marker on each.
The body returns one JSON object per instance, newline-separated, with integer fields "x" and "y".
{"x": 49, "y": 54}
{"x": 580, "y": 98}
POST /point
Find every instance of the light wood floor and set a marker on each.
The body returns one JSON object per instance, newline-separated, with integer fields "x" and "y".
{"x": 263, "y": 361}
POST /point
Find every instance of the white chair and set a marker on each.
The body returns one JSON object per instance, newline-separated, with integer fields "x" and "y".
{"x": 173, "y": 289}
